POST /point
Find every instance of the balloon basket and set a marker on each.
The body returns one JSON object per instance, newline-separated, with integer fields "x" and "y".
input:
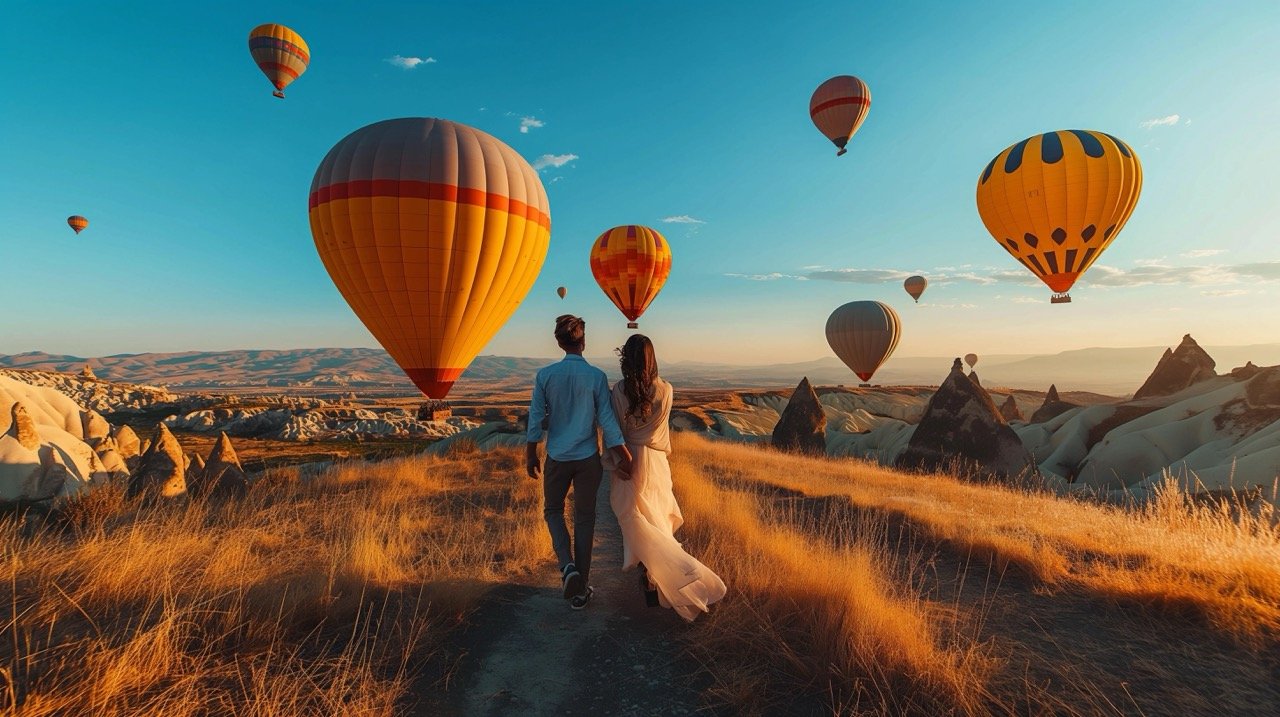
{"x": 434, "y": 410}
{"x": 1063, "y": 298}
{"x": 842, "y": 151}
{"x": 864, "y": 385}
{"x": 632, "y": 325}
{"x": 278, "y": 93}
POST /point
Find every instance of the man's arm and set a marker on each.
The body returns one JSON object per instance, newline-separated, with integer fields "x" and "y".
{"x": 533, "y": 434}
{"x": 608, "y": 421}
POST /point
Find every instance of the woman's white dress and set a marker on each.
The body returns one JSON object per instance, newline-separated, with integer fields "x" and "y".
{"x": 648, "y": 514}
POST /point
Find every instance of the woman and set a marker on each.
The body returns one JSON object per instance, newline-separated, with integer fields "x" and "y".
{"x": 646, "y": 508}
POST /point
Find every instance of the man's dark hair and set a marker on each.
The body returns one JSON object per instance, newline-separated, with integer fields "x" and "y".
{"x": 571, "y": 331}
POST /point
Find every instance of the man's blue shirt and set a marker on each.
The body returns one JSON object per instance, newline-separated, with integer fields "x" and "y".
{"x": 574, "y": 396}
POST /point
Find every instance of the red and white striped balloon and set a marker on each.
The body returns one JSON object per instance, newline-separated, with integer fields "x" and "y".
{"x": 838, "y": 108}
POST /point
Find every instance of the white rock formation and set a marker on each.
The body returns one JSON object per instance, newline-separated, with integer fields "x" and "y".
{"x": 43, "y": 452}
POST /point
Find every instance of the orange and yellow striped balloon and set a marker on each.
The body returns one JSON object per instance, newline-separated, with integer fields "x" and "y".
{"x": 839, "y": 107}
{"x": 77, "y": 223}
{"x": 1057, "y": 200}
{"x": 281, "y": 54}
{"x": 433, "y": 232}
{"x": 631, "y": 263}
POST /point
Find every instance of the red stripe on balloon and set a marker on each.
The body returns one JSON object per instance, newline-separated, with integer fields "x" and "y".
{"x": 417, "y": 189}
{"x": 435, "y": 382}
{"x": 277, "y": 66}
{"x": 856, "y": 100}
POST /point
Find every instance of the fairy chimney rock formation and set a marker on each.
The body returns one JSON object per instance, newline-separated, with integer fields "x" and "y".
{"x": 1052, "y": 406}
{"x": 222, "y": 475}
{"x": 162, "y": 470}
{"x": 1010, "y": 411}
{"x": 973, "y": 376}
{"x": 87, "y": 372}
{"x": 961, "y": 425}
{"x": 128, "y": 445}
{"x": 1178, "y": 369}
{"x": 803, "y": 426}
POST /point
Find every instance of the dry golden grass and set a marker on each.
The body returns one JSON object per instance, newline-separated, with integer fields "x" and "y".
{"x": 1208, "y": 559}
{"x": 817, "y": 610}
{"x": 317, "y": 597}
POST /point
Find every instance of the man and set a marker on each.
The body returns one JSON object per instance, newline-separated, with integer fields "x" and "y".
{"x": 572, "y": 398}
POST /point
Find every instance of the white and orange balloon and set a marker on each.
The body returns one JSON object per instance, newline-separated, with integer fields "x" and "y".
{"x": 433, "y": 232}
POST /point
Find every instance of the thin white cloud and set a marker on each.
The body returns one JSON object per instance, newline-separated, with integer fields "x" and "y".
{"x": 682, "y": 219}
{"x": 409, "y": 63}
{"x": 1027, "y": 300}
{"x": 528, "y": 123}
{"x": 1223, "y": 293}
{"x": 1200, "y": 253}
{"x": 1145, "y": 273}
{"x": 1167, "y": 121}
{"x": 768, "y": 277}
{"x": 553, "y": 160}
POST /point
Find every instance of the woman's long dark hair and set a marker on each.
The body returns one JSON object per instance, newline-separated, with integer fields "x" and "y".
{"x": 639, "y": 369}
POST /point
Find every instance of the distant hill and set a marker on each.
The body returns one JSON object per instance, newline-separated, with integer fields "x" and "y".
{"x": 1115, "y": 371}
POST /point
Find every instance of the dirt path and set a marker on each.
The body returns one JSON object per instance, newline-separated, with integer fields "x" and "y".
{"x": 529, "y": 654}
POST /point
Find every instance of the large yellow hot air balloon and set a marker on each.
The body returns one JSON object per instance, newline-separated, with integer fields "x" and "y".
{"x": 631, "y": 263}
{"x": 838, "y": 108}
{"x": 281, "y": 54}
{"x": 77, "y": 223}
{"x": 864, "y": 334}
{"x": 1057, "y": 200}
{"x": 915, "y": 285}
{"x": 433, "y": 232}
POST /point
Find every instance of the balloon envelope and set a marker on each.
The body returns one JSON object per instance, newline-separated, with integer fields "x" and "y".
{"x": 433, "y": 232}
{"x": 631, "y": 263}
{"x": 562, "y": 291}
{"x": 838, "y": 108}
{"x": 1057, "y": 200}
{"x": 77, "y": 223}
{"x": 971, "y": 359}
{"x": 280, "y": 53}
{"x": 915, "y": 286}
{"x": 864, "y": 334}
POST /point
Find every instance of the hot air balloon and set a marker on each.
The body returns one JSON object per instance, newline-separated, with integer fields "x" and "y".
{"x": 1057, "y": 200}
{"x": 562, "y": 291}
{"x": 838, "y": 108}
{"x": 77, "y": 222}
{"x": 631, "y": 263}
{"x": 433, "y": 232}
{"x": 281, "y": 54}
{"x": 915, "y": 285}
{"x": 971, "y": 359}
{"x": 863, "y": 334}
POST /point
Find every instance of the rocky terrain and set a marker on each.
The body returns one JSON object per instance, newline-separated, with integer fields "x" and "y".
{"x": 95, "y": 394}
{"x": 1211, "y": 433}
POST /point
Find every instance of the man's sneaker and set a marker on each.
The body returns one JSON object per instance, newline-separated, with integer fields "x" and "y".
{"x": 577, "y": 602}
{"x": 574, "y": 583}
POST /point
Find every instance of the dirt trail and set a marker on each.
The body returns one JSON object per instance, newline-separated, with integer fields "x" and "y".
{"x": 529, "y": 654}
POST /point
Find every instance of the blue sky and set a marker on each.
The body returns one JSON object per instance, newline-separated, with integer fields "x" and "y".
{"x": 157, "y": 126}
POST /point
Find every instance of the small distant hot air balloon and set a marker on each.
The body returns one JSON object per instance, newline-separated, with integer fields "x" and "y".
{"x": 838, "y": 108}
{"x": 281, "y": 54}
{"x": 1057, "y": 200}
{"x": 77, "y": 222}
{"x": 863, "y": 334}
{"x": 631, "y": 263}
{"x": 915, "y": 286}
{"x": 562, "y": 291}
{"x": 433, "y": 232}
{"x": 971, "y": 359}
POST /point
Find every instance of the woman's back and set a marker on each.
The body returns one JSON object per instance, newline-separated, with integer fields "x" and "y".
{"x": 652, "y": 430}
